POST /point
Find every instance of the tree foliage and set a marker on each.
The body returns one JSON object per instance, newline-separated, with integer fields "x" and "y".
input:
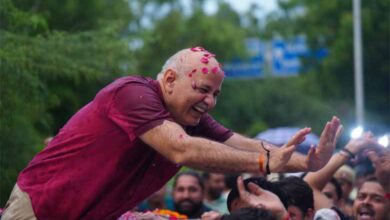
{"x": 55, "y": 55}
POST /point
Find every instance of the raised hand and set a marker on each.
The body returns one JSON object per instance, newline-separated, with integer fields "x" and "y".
{"x": 280, "y": 156}
{"x": 318, "y": 157}
{"x": 211, "y": 215}
{"x": 260, "y": 198}
{"x": 365, "y": 142}
{"x": 381, "y": 162}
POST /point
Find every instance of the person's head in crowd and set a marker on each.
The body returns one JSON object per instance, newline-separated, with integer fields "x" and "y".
{"x": 234, "y": 202}
{"x": 371, "y": 202}
{"x": 230, "y": 181}
{"x": 185, "y": 70}
{"x": 250, "y": 213}
{"x": 345, "y": 175}
{"x": 214, "y": 185}
{"x": 187, "y": 193}
{"x": 299, "y": 197}
{"x": 333, "y": 191}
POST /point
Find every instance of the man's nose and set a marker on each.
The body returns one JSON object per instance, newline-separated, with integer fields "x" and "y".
{"x": 210, "y": 100}
{"x": 186, "y": 194}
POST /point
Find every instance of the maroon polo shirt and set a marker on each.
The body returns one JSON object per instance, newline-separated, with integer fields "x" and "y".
{"x": 96, "y": 167}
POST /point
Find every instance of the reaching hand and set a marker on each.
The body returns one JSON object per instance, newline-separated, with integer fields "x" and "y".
{"x": 260, "y": 198}
{"x": 318, "y": 157}
{"x": 365, "y": 142}
{"x": 382, "y": 167}
{"x": 211, "y": 215}
{"x": 280, "y": 156}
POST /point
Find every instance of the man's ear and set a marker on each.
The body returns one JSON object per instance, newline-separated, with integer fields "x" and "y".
{"x": 235, "y": 205}
{"x": 169, "y": 80}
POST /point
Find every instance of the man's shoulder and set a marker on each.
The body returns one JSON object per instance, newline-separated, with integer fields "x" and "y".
{"x": 134, "y": 79}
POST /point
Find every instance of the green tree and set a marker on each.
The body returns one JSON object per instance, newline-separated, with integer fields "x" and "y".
{"x": 45, "y": 76}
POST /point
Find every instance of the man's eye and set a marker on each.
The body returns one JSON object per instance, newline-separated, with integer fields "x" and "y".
{"x": 203, "y": 90}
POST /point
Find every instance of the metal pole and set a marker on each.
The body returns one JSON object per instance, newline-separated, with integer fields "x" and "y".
{"x": 358, "y": 61}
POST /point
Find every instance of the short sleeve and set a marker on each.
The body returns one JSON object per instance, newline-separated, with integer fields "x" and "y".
{"x": 210, "y": 128}
{"x": 137, "y": 108}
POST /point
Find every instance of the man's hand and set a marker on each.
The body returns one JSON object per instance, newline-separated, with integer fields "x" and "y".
{"x": 260, "y": 198}
{"x": 280, "y": 156}
{"x": 365, "y": 142}
{"x": 211, "y": 215}
{"x": 318, "y": 157}
{"x": 381, "y": 162}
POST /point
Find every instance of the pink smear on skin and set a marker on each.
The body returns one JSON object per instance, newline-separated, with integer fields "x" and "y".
{"x": 196, "y": 49}
{"x": 193, "y": 84}
{"x": 180, "y": 136}
{"x": 205, "y": 70}
{"x": 192, "y": 72}
{"x": 215, "y": 70}
{"x": 209, "y": 55}
{"x": 204, "y": 60}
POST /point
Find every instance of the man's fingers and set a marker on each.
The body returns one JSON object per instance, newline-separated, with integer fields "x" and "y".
{"x": 241, "y": 188}
{"x": 311, "y": 152}
{"x": 374, "y": 157}
{"x": 255, "y": 189}
{"x": 338, "y": 134}
{"x": 299, "y": 137}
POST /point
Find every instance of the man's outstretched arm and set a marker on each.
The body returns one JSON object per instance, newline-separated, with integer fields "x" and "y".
{"x": 170, "y": 140}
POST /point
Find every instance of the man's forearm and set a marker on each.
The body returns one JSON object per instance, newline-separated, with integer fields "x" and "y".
{"x": 319, "y": 179}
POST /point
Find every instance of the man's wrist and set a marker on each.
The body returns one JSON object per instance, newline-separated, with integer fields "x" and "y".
{"x": 348, "y": 153}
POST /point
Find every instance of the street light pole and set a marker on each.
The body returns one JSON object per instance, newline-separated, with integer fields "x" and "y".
{"x": 358, "y": 63}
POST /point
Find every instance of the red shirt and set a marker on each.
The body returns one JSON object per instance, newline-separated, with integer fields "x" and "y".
{"x": 97, "y": 167}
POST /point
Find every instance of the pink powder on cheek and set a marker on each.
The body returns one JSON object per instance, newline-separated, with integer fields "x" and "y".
{"x": 205, "y": 70}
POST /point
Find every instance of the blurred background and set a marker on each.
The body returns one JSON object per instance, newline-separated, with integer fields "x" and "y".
{"x": 289, "y": 63}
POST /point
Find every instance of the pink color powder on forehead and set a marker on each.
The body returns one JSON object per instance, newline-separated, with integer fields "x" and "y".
{"x": 204, "y": 60}
{"x": 215, "y": 70}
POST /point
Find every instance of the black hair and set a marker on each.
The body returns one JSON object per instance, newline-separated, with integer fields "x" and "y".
{"x": 250, "y": 214}
{"x": 189, "y": 173}
{"x": 298, "y": 192}
{"x": 231, "y": 180}
{"x": 263, "y": 183}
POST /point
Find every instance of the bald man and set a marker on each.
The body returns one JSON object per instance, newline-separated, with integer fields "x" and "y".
{"x": 136, "y": 134}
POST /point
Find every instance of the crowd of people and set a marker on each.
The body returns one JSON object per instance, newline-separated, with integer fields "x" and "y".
{"x": 332, "y": 193}
{"x": 114, "y": 157}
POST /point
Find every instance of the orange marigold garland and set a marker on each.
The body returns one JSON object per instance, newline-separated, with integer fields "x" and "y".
{"x": 172, "y": 215}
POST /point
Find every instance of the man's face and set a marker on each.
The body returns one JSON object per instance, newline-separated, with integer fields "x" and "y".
{"x": 215, "y": 185}
{"x": 187, "y": 195}
{"x": 192, "y": 94}
{"x": 370, "y": 203}
{"x": 330, "y": 192}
